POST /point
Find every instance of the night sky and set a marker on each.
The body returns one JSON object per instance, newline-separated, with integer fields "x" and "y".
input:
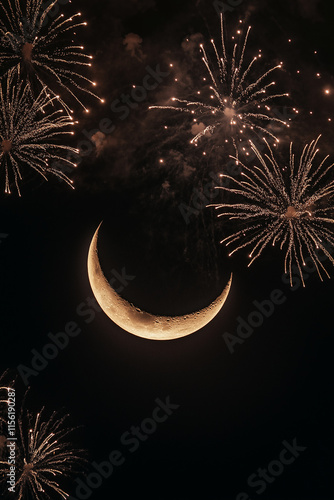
{"x": 232, "y": 410}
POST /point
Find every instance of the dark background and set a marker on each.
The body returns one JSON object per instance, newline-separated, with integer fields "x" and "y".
{"x": 235, "y": 409}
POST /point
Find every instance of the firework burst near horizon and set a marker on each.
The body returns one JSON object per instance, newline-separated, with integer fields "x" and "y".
{"x": 44, "y": 456}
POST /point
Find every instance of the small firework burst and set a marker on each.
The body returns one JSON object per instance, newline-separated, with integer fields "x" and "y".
{"x": 232, "y": 105}
{"x": 290, "y": 206}
{"x": 44, "y": 457}
{"x": 28, "y": 134}
{"x": 44, "y": 50}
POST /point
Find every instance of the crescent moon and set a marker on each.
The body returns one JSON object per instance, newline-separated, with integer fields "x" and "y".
{"x": 141, "y": 323}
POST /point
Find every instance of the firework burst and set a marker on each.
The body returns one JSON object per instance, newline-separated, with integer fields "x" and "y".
{"x": 289, "y": 206}
{"x": 43, "y": 454}
{"x": 28, "y": 133}
{"x": 46, "y": 456}
{"x": 232, "y": 105}
{"x": 43, "y": 50}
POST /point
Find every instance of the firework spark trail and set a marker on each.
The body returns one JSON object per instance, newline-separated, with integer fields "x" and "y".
{"x": 27, "y": 133}
{"x": 237, "y": 107}
{"x": 43, "y": 52}
{"x": 293, "y": 210}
